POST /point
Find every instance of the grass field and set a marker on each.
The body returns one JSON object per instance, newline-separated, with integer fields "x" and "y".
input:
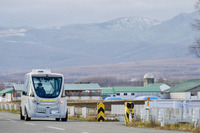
{"x": 156, "y": 125}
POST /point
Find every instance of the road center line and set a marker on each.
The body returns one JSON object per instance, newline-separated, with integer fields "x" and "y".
{"x": 11, "y": 120}
{"x": 29, "y": 123}
{"x": 57, "y": 128}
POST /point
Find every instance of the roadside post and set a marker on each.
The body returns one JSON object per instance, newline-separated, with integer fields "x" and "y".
{"x": 72, "y": 111}
{"x": 6, "y": 106}
{"x": 15, "y": 106}
{"x": 101, "y": 112}
{"x": 129, "y": 108}
{"x": 147, "y": 109}
{"x": 10, "y": 106}
{"x": 148, "y": 99}
{"x": 161, "y": 117}
{"x": 84, "y": 112}
{"x": 143, "y": 114}
{"x": 2, "y": 105}
{"x": 195, "y": 116}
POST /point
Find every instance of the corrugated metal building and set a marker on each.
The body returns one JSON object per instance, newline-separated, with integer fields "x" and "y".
{"x": 83, "y": 91}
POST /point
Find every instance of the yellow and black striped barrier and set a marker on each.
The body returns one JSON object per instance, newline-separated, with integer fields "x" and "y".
{"x": 129, "y": 108}
{"x": 101, "y": 112}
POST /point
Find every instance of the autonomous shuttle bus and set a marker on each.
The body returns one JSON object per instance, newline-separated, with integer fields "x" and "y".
{"x": 43, "y": 96}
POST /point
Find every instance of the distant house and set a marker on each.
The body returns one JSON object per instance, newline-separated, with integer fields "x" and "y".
{"x": 13, "y": 92}
{"x": 186, "y": 90}
{"x": 83, "y": 91}
{"x": 7, "y": 94}
{"x": 18, "y": 90}
{"x": 130, "y": 92}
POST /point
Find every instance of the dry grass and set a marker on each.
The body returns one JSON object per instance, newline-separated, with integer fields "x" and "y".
{"x": 88, "y": 118}
{"x": 11, "y": 111}
{"x": 156, "y": 125}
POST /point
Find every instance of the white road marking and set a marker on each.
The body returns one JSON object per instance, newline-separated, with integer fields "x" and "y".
{"x": 84, "y": 132}
{"x": 57, "y": 128}
{"x": 11, "y": 120}
{"x": 32, "y": 124}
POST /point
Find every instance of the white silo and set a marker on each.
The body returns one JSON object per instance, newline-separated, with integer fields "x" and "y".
{"x": 148, "y": 79}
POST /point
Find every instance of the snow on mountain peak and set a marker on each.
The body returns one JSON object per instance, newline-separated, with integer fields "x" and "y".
{"x": 129, "y": 20}
{"x": 12, "y": 32}
{"x": 133, "y": 23}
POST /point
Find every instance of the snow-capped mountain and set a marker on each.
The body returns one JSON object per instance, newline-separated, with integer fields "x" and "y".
{"x": 132, "y": 23}
{"x": 120, "y": 40}
{"x": 12, "y": 32}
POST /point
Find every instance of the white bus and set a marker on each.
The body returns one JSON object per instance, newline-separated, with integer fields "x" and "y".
{"x": 43, "y": 96}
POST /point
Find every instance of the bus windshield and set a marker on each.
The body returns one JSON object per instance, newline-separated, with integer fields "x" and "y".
{"x": 47, "y": 87}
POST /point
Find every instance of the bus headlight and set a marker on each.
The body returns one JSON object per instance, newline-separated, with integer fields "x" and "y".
{"x": 61, "y": 101}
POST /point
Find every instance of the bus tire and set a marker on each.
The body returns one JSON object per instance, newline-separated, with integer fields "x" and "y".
{"x": 27, "y": 118}
{"x": 21, "y": 116}
{"x": 57, "y": 119}
{"x": 66, "y": 117}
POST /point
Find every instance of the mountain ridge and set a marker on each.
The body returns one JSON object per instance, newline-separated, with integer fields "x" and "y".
{"x": 114, "y": 41}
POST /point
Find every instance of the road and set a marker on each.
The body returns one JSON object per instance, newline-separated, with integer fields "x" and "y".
{"x": 10, "y": 123}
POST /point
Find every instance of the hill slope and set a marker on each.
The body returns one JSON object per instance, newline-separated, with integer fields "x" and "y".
{"x": 115, "y": 41}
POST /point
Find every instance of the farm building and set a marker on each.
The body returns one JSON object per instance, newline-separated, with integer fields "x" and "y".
{"x": 18, "y": 90}
{"x": 148, "y": 79}
{"x": 12, "y": 93}
{"x": 7, "y": 94}
{"x": 130, "y": 93}
{"x": 186, "y": 90}
{"x": 83, "y": 91}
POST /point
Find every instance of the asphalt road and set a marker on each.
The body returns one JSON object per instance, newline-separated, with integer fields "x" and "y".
{"x": 10, "y": 123}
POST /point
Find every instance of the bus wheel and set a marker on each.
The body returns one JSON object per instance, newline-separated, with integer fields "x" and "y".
{"x": 21, "y": 116}
{"x": 27, "y": 118}
{"x": 57, "y": 119}
{"x": 66, "y": 117}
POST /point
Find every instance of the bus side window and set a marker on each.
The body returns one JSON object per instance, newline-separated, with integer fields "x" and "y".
{"x": 31, "y": 90}
{"x": 63, "y": 92}
{"x": 28, "y": 88}
{"x": 27, "y": 85}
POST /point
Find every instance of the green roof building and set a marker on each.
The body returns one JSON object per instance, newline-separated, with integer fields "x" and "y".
{"x": 130, "y": 92}
{"x": 7, "y": 90}
{"x": 8, "y": 94}
{"x": 185, "y": 90}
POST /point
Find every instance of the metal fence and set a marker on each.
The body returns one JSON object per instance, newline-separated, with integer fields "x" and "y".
{"x": 164, "y": 111}
{"x": 170, "y": 111}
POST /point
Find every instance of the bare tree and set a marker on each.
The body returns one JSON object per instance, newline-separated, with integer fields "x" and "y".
{"x": 195, "y": 47}
{"x": 107, "y": 81}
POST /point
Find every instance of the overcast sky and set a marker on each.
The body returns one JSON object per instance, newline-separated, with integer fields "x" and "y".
{"x": 51, "y": 12}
